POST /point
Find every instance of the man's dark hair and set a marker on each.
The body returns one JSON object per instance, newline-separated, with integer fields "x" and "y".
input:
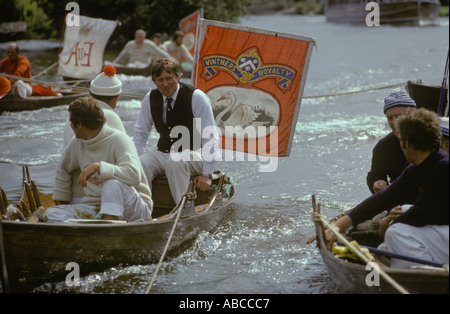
{"x": 177, "y": 35}
{"x": 421, "y": 128}
{"x": 87, "y": 112}
{"x": 167, "y": 65}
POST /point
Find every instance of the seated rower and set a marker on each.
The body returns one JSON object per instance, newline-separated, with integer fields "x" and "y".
{"x": 140, "y": 51}
{"x": 178, "y": 50}
{"x": 105, "y": 88}
{"x": 17, "y": 65}
{"x": 423, "y": 230}
{"x": 114, "y": 184}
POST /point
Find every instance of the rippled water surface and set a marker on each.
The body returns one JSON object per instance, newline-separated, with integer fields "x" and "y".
{"x": 260, "y": 245}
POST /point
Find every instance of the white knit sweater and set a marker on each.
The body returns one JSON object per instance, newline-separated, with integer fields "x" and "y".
{"x": 118, "y": 159}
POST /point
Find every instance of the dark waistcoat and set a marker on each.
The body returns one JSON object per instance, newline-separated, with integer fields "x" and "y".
{"x": 181, "y": 114}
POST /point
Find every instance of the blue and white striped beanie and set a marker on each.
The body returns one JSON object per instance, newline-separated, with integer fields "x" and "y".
{"x": 444, "y": 128}
{"x": 398, "y": 98}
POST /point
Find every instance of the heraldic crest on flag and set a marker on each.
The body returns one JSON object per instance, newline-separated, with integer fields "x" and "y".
{"x": 248, "y": 67}
{"x": 255, "y": 80}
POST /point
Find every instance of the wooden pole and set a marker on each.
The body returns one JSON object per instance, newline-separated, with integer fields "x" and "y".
{"x": 358, "y": 252}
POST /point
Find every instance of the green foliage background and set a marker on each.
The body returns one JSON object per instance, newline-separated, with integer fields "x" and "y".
{"x": 45, "y": 18}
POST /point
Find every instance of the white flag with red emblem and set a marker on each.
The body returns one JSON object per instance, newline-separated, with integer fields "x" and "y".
{"x": 82, "y": 54}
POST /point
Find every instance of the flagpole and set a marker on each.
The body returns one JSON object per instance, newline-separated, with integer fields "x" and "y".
{"x": 60, "y": 44}
{"x": 197, "y": 50}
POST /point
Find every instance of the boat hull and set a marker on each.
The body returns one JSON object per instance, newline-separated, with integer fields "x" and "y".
{"x": 40, "y": 252}
{"x": 351, "y": 277}
{"x": 33, "y": 253}
{"x": 37, "y": 102}
{"x": 420, "y": 12}
{"x": 147, "y": 71}
{"x": 427, "y": 96}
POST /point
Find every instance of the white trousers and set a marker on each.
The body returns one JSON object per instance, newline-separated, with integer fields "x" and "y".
{"x": 23, "y": 89}
{"x": 177, "y": 170}
{"x": 118, "y": 199}
{"x": 429, "y": 243}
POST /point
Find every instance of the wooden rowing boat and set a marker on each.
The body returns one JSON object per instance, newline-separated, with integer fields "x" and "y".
{"x": 38, "y": 102}
{"x": 351, "y": 275}
{"x": 33, "y": 253}
{"x": 428, "y": 96}
{"x": 123, "y": 69}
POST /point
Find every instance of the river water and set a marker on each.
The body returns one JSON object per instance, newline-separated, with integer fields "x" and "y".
{"x": 260, "y": 246}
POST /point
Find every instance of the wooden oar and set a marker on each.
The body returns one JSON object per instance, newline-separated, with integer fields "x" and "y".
{"x": 399, "y": 256}
{"x": 389, "y": 279}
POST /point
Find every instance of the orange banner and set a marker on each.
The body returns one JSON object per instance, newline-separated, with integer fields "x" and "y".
{"x": 188, "y": 26}
{"x": 255, "y": 80}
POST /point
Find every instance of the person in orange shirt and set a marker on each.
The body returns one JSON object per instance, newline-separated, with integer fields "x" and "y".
{"x": 5, "y": 86}
{"x": 15, "y": 64}
{"x": 18, "y": 65}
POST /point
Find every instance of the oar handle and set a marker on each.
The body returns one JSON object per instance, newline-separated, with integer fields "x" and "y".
{"x": 400, "y": 256}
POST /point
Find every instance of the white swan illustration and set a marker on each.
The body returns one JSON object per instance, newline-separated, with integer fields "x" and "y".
{"x": 240, "y": 115}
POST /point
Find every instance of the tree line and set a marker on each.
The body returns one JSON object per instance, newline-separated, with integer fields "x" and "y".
{"x": 45, "y": 18}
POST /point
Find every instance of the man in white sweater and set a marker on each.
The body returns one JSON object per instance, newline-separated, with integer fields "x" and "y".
{"x": 177, "y": 49}
{"x": 112, "y": 178}
{"x": 140, "y": 51}
{"x": 106, "y": 89}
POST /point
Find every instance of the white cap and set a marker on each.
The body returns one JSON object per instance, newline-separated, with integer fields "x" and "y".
{"x": 106, "y": 83}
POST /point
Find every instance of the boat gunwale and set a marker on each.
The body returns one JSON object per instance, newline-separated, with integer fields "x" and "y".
{"x": 99, "y": 225}
{"x": 357, "y": 270}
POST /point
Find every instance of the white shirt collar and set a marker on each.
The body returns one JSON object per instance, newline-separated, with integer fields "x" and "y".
{"x": 174, "y": 97}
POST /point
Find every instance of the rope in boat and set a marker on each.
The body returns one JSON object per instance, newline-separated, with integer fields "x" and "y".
{"x": 64, "y": 86}
{"x": 140, "y": 96}
{"x": 45, "y": 71}
{"x": 357, "y": 91}
{"x": 357, "y": 251}
{"x": 187, "y": 195}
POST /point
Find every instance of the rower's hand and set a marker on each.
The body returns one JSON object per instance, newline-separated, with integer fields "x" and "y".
{"x": 87, "y": 172}
{"x": 379, "y": 185}
{"x": 312, "y": 239}
{"x": 329, "y": 235}
{"x": 202, "y": 182}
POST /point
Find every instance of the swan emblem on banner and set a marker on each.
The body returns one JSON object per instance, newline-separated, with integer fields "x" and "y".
{"x": 238, "y": 109}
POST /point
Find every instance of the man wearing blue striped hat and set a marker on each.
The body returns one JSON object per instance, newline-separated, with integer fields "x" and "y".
{"x": 388, "y": 160}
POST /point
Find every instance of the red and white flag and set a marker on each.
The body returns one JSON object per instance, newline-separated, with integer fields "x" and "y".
{"x": 84, "y": 44}
{"x": 188, "y": 26}
{"x": 255, "y": 80}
